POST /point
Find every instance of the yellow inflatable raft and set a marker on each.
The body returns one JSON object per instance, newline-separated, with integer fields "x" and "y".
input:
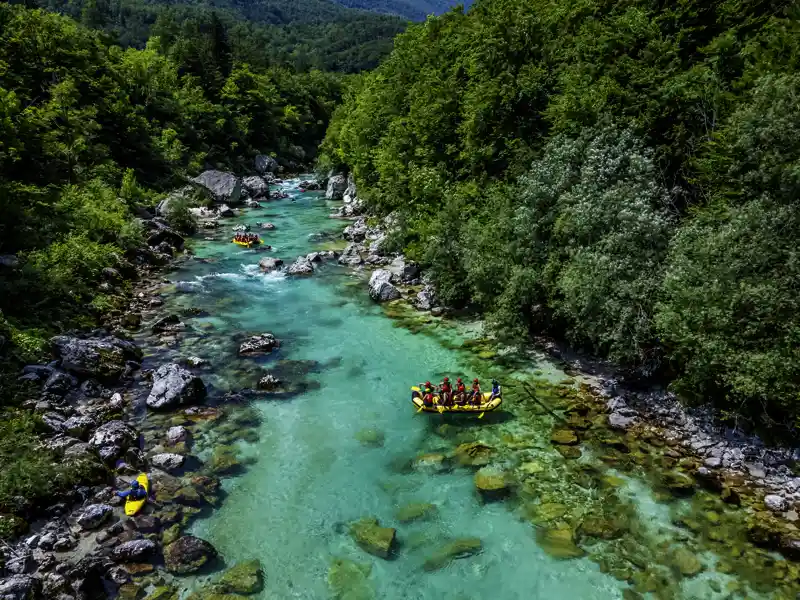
{"x": 247, "y": 244}
{"x": 486, "y": 406}
{"x": 134, "y": 506}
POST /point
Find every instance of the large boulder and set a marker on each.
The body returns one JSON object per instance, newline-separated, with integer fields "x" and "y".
{"x": 263, "y": 343}
{"x": 188, "y": 554}
{"x": 300, "y": 267}
{"x": 266, "y": 164}
{"x": 94, "y": 515}
{"x": 256, "y": 186}
{"x": 20, "y": 587}
{"x": 78, "y": 426}
{"x": 175, "y": 386}
{"x": 167, "y": 236}
{"x": 113, "y": 439}
{"x": 242, "y": 578}
{"x": 134, "y": 551}
{"x": 337, "y": 184}
{"x": 351, "y": 256}
{"x": 167, "y": 461}
{"x": 357, "y": 231}
{"x": 426, "y": 299}
{"x": 269, "y": 264}
{"x": 380, "y": 287}
{"x": 103, "y": 359}
{"x": 221, "y": 186}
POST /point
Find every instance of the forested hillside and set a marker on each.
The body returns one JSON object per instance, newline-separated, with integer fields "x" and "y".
{"x": 625, "y": 175}
{"x": 415, "y": 10}
{"x": 301, "y": 34}
{"x": 90, "y": 133}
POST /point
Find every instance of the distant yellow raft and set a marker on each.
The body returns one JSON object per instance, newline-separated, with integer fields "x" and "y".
{"x": 247, "y": 244}
{"x": 134, "y": 506}
{"x": 486, "y": 406}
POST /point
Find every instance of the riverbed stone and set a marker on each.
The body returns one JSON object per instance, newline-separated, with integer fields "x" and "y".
{"x": 380, "y": 287}
{"x": 370, "y": 437}
{"x": 678, "y": 483}
{"x": 373, "y": 538}
{"x": 175, "y": 386}
{"x": 416, "y": 511}
{"x": 134, "y": 551}
{"x": 492, "y": 484}
{"x": 167, "y": 461}
{"x": 686, "y": 562}
{"x": 301, "y": 267}
{"x": 20, "y": 587}
{"x": 103, "y": 359}
{"x": 564, "y": 437}
{"x": 111, "y": 440}
{"x": 349, "y": 580}
{"x": 188, "y": 554}
{"x": 474, "y": 454}
{"x": 432, "y": 462}
{"x": 243, "y": 578}
{"x": 94, "y": 515}
{"x": 220, "y": 186}
{"x": 549, "y": 511}
{"x": 269, "y": 264}
{"x": 177, "y": 434}
{"x": 263, "y": 343}
{"x": 559, "y": 542}
{"x": 460, "y": 548}
{"x": 351, "y": 256}
{"x": 775, "y": 503}
{"x": 79, "y": 426}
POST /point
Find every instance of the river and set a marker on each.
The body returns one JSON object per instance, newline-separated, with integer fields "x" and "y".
{"x": 346, "y": 446}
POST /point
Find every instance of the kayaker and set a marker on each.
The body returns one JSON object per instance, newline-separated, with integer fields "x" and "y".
{"x": 135, "y": 492}
{"x": 477, "y": 395}
{"x": 496, "y": 390}
{"x": 447, "y": 391}
{"x": 461, "y": 392}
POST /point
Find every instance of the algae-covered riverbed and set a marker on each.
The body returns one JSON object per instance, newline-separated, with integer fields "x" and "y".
{"x": 569, "y": 508}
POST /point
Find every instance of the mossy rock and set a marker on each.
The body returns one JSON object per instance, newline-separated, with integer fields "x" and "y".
{"x": 531, "y": 468}
{"x": 371, "y": 437}
{"x": 243, "y": 578}
{"x": 558, "y": 542}
{"x": 679, "y": 484}
{"x": 602, "y": 528}
{"x": 474, "y": 454}
{"x": 576, "y": 421}
{"x": 170, "y": 534}
{"x": 492, "y": 484}
{"x": 564, "y": 437}
{"x": 569, "y": 452}
{"x": 685, "y": 562}
{"x": 460, "y": 548}
{"x": 547, "y": 511}
{"x": 371, "y": 537}
{"x": 225, "y": 460}
{"x": 163, "y": 592}
{"x": 432, "y": 462}
{"x": 416, "y": 511}
{"x": 130, "y": 591}
{"x": 349, "y": 580}
{"x": 188, "y": 496}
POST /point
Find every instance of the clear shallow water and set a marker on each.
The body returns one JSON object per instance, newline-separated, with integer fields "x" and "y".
{"x": 312, "y": 477}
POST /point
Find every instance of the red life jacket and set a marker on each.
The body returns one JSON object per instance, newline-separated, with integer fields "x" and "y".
{"x": 461, "y": 388}
{"x": 446, "y": 388}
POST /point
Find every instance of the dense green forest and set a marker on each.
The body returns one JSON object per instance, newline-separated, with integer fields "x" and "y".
{"x": 89, "y": 133}
{"x": 624, "y": 175}
{"x": 415, "y": 10}
{"x": 301, "y": 34}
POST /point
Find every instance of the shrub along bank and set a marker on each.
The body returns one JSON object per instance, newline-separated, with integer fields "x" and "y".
{"x": 622, "y": 175}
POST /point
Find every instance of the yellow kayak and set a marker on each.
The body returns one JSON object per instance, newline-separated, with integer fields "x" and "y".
{"x": 134, "y": 506}
{"x": 247, "y": 244}
{"x": 486, "y": 406}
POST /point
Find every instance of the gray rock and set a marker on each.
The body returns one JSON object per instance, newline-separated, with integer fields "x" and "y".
{"x": 78, "y": 452}
{"x": 188, "y": 554}
{"x": 337, "y": 185}
{"x": 259, "y": 344}
{"x": 167, "y": 461}
{"x": 311, "y": 186}
{"x": 350, "y": 194}
{"x": 302, "y": 266}
{"x": 79, "y": 426}
{"x": 19, "y": 587}
{"x": 9, "y": 261}
{"x": 357, "y": 231}
{"x": 134, "y": 551}
{"x": 20, "y": 563}
{"x": 267, "y": 226}
{"x": 177, "y": 434}
{"x": 377, "y": 247}
{"x": 53, "y": 421}
{"x": 252, "y": 204}
{"x": 269, "y": 263}
{"x": 221, "y": 186}
{"x": 618, "y": 420}
{"x": 60, "y": 443}
{"x": 351, "y": 256}
{"x": 256, "y": 186}
{"x": 65, "y": 544}
{"x": 47, "y": 540}
{"x": 196, "y": 361}
{"x": 60, "y": 383}
{"x": 103, "y": 359}
{"x": 775, "y": 503}
{"x": 175, "y": 386}
{"x": 113, "y": 439}
{"x": 223, "y": 210}
{"x": 266, "y": 164}
{"x": 426, "y": 299}
{"x": 165, "y": 239}
{"x": 94, "y": 515}
{"x": 269, "y": 382}
{"x": 380, "y": 287}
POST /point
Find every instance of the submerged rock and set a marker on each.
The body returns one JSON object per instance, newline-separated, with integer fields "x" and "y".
{"x": 416, "y": 511}
{"x": 349, "y": 580}
{"x": 380, "y": 287}
{"x": 474, "y": 454}
{"x": 460, "y": 548}
{"x": 263, "y": 343}
{"x": 373, "y": 538}
{"x": 558, "y": 542}
{"x": 175, "y": 386}
{"x": 188, "y": 554}
{"x": 269, "y": 382}
{"x": 686, "y": 562}
{"x": 492, "y": 484}
{"x": 243, "y": 578}
{"x": 370, "y": 437}
{"x": 564, "y": 437}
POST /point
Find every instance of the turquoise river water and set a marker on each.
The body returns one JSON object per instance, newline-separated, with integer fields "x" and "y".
{"x": 310, "y": 476}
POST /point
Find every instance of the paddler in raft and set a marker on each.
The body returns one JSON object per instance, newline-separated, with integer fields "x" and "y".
{"x": 461, "y": 392}
{"x": 477, "y": 394}
{"x": 446, "y": 392}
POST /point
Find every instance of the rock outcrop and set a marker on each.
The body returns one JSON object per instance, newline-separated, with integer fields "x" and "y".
{"x": 269, "y": 264}
{"x": 301, "y": 267}
{"x": 266, "y": 164}
{"x": 356, "y": 231}
{"x": 380, "y": 287}
{"x": 113, "y": 439}
{"x": 255, "y": 186}
{"x": 103, "y": 359}
{"x": 175, "y": 386}
{"x": 221, "y": 186}
{"x": 188, "y": 554}
{"x": 351, "y": 256}
{"x": 337, "y": 184}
